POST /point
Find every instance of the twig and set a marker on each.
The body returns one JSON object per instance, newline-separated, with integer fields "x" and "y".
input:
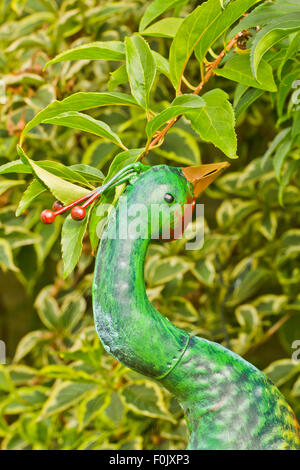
{"x": 159, "y": 137}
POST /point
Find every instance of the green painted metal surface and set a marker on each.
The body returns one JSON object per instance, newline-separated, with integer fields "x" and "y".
{"x": 228, "y": 403}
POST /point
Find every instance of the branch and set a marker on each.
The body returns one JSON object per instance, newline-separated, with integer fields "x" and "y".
{"x": 159, "y": 137}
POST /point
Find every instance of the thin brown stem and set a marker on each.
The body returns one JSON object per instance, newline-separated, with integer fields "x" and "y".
{"x": 159, "y": 137}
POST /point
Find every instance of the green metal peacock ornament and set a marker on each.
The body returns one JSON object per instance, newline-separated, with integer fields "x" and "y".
{"x": 228, "y": 403}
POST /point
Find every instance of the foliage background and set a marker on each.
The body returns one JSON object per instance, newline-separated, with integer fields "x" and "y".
{"x": 60, "y": 389}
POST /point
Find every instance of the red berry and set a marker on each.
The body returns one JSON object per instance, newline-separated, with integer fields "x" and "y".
{"x": 47, "y": 216}
{"x": 57, "y": 205}
{"x": 78, "y": 213}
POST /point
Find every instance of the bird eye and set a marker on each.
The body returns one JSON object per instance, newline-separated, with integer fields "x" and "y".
{"x": 168, "y": 198}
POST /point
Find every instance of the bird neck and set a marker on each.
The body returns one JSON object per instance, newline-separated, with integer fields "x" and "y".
{"x": 127, "y": 323}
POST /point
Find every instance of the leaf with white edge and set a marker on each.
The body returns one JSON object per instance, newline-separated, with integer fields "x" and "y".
{"x": 83, "y": 122}
{"x": 62, "y": 190}
{"x": 296, "y": 388}
{"x": 63, "y": 396}
{"x": 73, "y": 309}
{"x": 155, "y": 9}
{"x": 32, "y": 192}
{"x": 90, "y": 407}
{"x": 247, "y": 317}
{"x": 79, "y": 102}
{"x": 238, "y": 69}
{"x": 6, "y": 257}
{"x": 163, "y": 271}
{"x": 268, "y": 225}
{"x": 71, "y": 242}
{"x": 179, "y": 106}
{"x": 47, "y": 308}
{"x": 110, "y": 50}
{"x": 166, "y": 28}
{"x": 29, "y": 342}
{"x": 180, "y": 146}
{"x": 146, "y": 399}
{"x": 141, "y": 69}
{"x": 204, "y": 271}
{"x": 280, "y": 156}
{"x": 282, "y": 370}
{"x": 5, "y": 185}
{"x": 270, "y": 35}
{"x": 215, "y": 122}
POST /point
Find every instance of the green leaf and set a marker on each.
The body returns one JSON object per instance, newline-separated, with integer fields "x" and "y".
{"x": 268, "y": 225}
{"x": 162, "y": 64}
{"x": 6, "y": 257}
{"x": 63, "y": 190}
{"x": 141, "y": 69}
{"x": 123, "y": 159}
{"x": 215, "y": 122}
{"x": 270, "y": 35}
{"x": 180, "y": 146}
{"x": 86, "y": 123}
{"x": 248, "y": 285}
{"x": 247, "y": 317}
{"x": 90, "y": 407}
{"x": 146, "y": 399}
{"x": 282, "y": 370}
{"x": 117, "y": 77}
{"x": 204, "y": 271}
{"x": 8, "y": 184}
{"x": 166, "y": 28}
{"x": 246, "y": 100}
{"x": 180, "y": 105}
{"x": 71, "y": 242}
{"x": 15, "y": 167}
{"x": 155, "y": 9}
{"x": 29, "y": 342}
{"x": 78, "y": 102}
{"x": 63, "y": 396}
{"x": 274, "y": 144}
{"x": 200, "y": 30}
{"x": 32, "y": 192}
{"x": 293, "y": 48}
{"x": 73, "y": 309}
{"x": 163, "y": 271}
{"x": 47, "y": 308}
{"x": 238, "y": 69}
{"x": 280, "y": 156}
{"x": 110, "y": 50}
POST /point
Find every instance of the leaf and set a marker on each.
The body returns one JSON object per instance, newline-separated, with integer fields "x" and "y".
{"x": 6, "y": 257}
{"x": 274, "y": 144}
{"x": 141, "y": 69}
{"x": 15, "y": 167}
{"x": 162, "y": 64}
{"x": 71, "y": 242}
{"x": 247, "y": 317}
{"x": 123, "y": 159}
{"x": 155, "y": 9}
{"x": 282, "y": 370}
{"x": 247, "y": 286}
{"x": 63, "y": 190}
{"x": 215, "y": 122}
{"x": 180, "y": 105}
{"x": 117, "y": 77}
{"x": 268, "y": 225}
{"x": 110, "y": 50}
{"x": 238, "y": 69}
{"x": 78, "y": 102}
{"x": 180, "y": 146}
{"x": 90, "y": 407}
{"x": 293, "y": 48}
{"x": 296, "y": 388}
{"x": 5, "y": 185}
{"x": 280, "y": 156}
{"x": 29, "y": 342}
{"x": 73, "y": 309}
{"x": 63, "y": 396}
{"x": 270, "y": 35}
{"x": 47, "y": 308}
{"x": 200, "y": 30}
{"x": 164, "y": 270}
{"x": 166, "y": 28}
{"x": 246, "y": 100}
{"x": 83, "y": 122}
{"x": 146, "y": 399}
{"x": 205, "y": 272}
{"x": 32, "y": 192}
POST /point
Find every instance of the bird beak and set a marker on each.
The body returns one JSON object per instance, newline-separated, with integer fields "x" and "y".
{"x": 201, "y": 176}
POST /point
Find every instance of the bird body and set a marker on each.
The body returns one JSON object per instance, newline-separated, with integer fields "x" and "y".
{"x": 228, "y": 403}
